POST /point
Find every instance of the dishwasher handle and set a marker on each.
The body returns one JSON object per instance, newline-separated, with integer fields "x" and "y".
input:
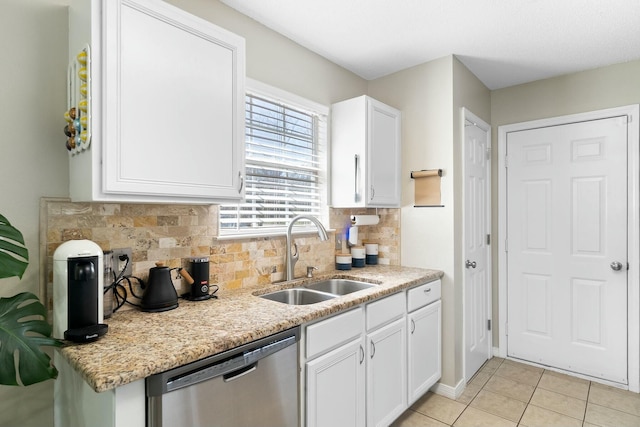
{"x": 233, "y": 364}
{"x": 239, "y": 373}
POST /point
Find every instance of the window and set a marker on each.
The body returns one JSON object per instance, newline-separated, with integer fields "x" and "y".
{"x": 286, "y": 164}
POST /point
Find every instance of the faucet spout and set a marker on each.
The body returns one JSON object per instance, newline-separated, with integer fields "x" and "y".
{"x": 290, "y": 260}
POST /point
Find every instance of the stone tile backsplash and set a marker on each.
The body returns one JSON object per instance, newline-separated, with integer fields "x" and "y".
{"x": 173, "y": 233}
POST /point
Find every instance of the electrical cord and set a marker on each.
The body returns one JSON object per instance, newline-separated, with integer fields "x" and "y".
{"x": 120, "y": 293}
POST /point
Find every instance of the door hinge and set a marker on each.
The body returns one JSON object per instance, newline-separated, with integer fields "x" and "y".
{"x": 488, "y": 153}
{"x": 488, "y": 239}
{"x": 506, "y": 245}
{"x": 506, "y": 161}
{"x": 488, "y": 324}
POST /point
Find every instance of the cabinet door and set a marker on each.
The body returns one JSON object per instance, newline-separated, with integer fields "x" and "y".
{"x": 425, "y": 338}
{"x": 336, "y": 388}
{"x": 173, "y": 104}
{"x": 386, "y": 373}
{"x": 348, "y": 145}
{"x": 384, "y": 155}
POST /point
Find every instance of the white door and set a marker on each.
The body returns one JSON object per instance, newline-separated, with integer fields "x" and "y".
{"x": 477, "y": 223}
{"x": 567, "y": 247}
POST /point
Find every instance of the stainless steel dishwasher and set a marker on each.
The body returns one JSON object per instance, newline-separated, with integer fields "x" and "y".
{"x": 252, "y": 385}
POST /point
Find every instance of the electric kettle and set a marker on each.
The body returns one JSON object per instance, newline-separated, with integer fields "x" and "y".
{"x": 160, "y": 294}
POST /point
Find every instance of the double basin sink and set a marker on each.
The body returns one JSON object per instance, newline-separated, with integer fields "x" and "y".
{"x": 317, "y": 291}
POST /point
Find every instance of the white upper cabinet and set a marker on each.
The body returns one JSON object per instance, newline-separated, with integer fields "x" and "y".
{"x": 365, "y": 154}
{"x": 166, "y": 105}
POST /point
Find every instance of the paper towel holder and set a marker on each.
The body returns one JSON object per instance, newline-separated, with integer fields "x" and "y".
{"x": 427, "y": 188}
{"x": 418, "y": 173}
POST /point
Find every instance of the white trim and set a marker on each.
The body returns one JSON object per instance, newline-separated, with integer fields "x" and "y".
{"x": 633, "y": 328}
{"x": 478, "y": 122}
{"x": 448, "y": 391}
{"x": 272, "y": 233}
{"x": 258, "y": 88}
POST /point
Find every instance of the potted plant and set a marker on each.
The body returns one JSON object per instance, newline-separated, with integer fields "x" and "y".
{"x": 23, "y": 320}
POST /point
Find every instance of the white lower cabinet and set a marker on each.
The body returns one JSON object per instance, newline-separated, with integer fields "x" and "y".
{"x": 424, "y": 338}
{"x": 387, "y": 373}
{"x": 366, "y": 366}
{"x": 336, "y": 387}
{"x": 335, "y": 371}
{"x": 424, "y": 343}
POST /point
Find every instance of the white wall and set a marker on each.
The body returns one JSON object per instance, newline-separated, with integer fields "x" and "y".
{"x": 277, "y": 61}
{"x": 430, "y": 97}
{"x": 33, "y": 42}
{"x": 424, "y": 95}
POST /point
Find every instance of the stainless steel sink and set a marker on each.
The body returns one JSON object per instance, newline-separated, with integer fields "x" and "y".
{"x": 298, "y": 296}
{"x": 339, "y": 286}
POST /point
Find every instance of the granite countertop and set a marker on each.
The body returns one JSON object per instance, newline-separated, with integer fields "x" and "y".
{"x": 140, "y": 344}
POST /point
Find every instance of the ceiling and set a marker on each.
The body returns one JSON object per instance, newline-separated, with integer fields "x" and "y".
{"x": 503, "y": 42}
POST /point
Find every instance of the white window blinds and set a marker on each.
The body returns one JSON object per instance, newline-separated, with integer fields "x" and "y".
{"x": 285, "y": 168}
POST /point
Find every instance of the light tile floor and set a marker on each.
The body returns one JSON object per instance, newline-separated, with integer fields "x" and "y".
{"x": 507, "y": 393}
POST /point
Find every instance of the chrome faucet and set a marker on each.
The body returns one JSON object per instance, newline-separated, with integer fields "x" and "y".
{"x": 291, "y": 259}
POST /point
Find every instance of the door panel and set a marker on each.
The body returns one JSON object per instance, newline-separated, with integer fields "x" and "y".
{"x": 566, "y": 223}
{"x": 476, "y": 249}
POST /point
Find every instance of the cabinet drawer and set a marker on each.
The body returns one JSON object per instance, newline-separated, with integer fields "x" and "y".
{"x": 330, "y": 333}
{"x": 423, "y": 295}
{"x": 385, "y": 310}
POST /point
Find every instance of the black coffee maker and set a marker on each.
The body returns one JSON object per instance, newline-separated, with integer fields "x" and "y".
{"x": 78, "y": 291}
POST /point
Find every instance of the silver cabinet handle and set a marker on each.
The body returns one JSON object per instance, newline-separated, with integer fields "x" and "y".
{"x": 471, "y": 264}
{"x": 413, "y": 326}
{"x": 361, "y": 354}
{"x": 355, "y": 180}
{"x": 373, "y": 349}
{"x": 373, "y": 192}
{"x": 241, "y": 182}
{"x": 616, "y": 266}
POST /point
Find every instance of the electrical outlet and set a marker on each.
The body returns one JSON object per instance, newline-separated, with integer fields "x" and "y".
{"x": 118, "y": 264}
{"x": 338, "y": 241}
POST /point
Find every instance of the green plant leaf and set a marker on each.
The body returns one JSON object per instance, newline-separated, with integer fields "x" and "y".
{"x": 23, "y": 330}
{"x": 14, "y": 256}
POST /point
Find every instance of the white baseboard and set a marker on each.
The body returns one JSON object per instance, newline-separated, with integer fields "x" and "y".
{"x": 448, "y": 391}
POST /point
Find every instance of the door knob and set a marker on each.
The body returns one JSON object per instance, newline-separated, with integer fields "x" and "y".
{"x": 472, "y": 264}
{"x": 616, "y": 266}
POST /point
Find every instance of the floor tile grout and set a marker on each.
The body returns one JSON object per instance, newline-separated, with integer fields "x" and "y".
{"x": 549, "y": 388}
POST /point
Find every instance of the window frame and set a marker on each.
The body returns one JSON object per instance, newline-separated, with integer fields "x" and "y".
{"x": 274, "y": 94}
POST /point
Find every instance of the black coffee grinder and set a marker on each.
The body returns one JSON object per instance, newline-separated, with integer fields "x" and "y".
{"x": 199, "y": 290}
